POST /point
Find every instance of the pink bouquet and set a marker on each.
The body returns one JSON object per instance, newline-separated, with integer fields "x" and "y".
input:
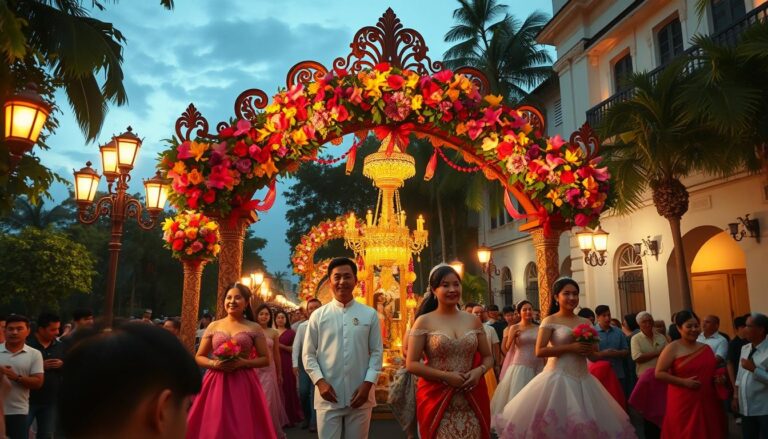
{"x": 228, "y": 350}
{"x": 585, "y": 333}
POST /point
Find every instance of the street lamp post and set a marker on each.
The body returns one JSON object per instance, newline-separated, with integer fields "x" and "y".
{"x": 118, "y": 157}
{"x": 486, "y": 259}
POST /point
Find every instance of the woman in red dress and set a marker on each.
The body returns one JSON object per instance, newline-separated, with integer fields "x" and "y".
{"x": 693, "y": 408}
{"x": 290, "y": 392}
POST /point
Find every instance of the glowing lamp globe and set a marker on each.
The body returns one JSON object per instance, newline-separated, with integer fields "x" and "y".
{"x": 109, "y": 167}
{"x": 25, "y": 114}
{"x": 156, "y": 193}
{"x": 86, "y": 182}
{"x": 128, "y": 145}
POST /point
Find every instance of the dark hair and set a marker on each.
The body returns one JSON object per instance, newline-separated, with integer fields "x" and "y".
{"x": 556, "y": 288}
{"x": 258, "y": 310}
{"x": 246, "y": 293}
{"x": 587, "y": 313}
{"x": 176, "y": 323}
{"x": 429, "y": 303}
{"x": 508, "y": 309}
{"x": 760, "y": 320}
{"x": 740, "y": 321}
{"x": 493, "y": 307}
{"x": 715, "y": 318}
{"x": 46, "y": 318}
{"x": 81, "y": 313}
{"x": 106, "y": 375}
{"x": 602, "y": 309}
{"x": 16, "y": 318}
{"x": 469, "y": 305}
{"x": 631, "y": 320}
{"x": 683, "y": 316}
{"x": 521, "y": 304}
{"x": 338, "y": 262}
{"x": 287, "y": 319}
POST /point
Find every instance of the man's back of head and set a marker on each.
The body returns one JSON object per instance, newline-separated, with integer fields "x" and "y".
{"x": 132, "y": 382}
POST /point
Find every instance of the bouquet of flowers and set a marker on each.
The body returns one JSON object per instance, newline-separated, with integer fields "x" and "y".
{"x": 191, "y": 235}
{"x": 585, "y": 333}
{"x": 227, "y": 351}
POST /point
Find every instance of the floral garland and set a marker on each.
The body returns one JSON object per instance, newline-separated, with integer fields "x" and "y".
{"x": 190, "y": 235}
{"x": 248, "y": 155}
{"x": 301, "y": 260}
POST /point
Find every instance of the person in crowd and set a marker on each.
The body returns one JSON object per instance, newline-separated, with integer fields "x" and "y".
{"x": 521, "y": 363}
{"x": 509, "y": 313}
{"x": 42, "y": 402}
{"x": 132, "y": 382}
{"x": 290, "y": 394}
{"x": 494, "y": 342}
{"x": 537, "y": 316}
{"x": 65, "y": 330}
{"x": 672, "y": 331}
{"x": 452, "y": 395}
{"x": 470, "y": 306}
{"x": 613, "y": 344}
{"x": 402, "y": 396}
{"x": 661, "y": 328}
{"x": 342, "y": 354}
{"x": 205, "y": 320}
{"x": 751, "y": 395}
{"x": 629, "y": 325}
{"x": 564, "y": 398}
{"x": 146, "y": 317}
{"x": 2, "y": 330}
{"x": 688, "y": 367}
{"x": 23, "y": 366}
{"x": 649, "y": 395}
{"x": 711, "y": 337}
{"x": 588, "y": 314}
{"x": 495, "y": 321}
{"x": 306, "y": 388}
{"x": 735, "y": 345}
{"x": 271, "y": 377}
{"x": 82, "y": 318}
{"x": 232, "y": 385}
{"x": 173, "y": 325}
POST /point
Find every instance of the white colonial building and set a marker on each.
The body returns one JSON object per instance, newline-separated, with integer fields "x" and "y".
{"x": 598, "y": 42}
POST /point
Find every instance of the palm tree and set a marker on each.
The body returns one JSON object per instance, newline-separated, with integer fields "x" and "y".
{"x": 62, "y": 38}
{"x": 25, "y": 214}
{"x": 505, "y": 50}
{"x": 655, "y": 139}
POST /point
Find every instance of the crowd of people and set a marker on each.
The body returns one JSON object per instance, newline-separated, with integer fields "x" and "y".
{"x": 471, "y": 371}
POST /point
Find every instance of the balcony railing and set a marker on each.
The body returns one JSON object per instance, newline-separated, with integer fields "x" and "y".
{"x": 727, "y": 37}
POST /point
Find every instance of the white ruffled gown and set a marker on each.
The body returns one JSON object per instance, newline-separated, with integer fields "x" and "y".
{"x": 564, "y": 401}
{"x": 523, "y": 366}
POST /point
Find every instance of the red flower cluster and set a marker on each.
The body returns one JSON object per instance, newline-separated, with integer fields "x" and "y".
{"x": 585, "y": 333}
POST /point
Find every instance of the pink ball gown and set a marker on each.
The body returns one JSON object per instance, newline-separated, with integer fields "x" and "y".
{"x": 268, "y": 379}
{"x": 231, "y": 404}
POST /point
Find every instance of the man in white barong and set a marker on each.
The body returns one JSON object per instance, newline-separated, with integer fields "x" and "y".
{"x": 342, "y": 355}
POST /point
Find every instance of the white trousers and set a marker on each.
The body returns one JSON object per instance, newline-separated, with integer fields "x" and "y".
{"x": 356, "y": 423}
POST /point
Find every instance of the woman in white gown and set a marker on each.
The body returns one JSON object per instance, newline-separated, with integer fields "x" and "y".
{"x": 564, "y": 400}
{"x": 524, "y": 364}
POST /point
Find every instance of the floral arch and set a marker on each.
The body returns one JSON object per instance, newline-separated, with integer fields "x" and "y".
{"x": 388, "y": 86}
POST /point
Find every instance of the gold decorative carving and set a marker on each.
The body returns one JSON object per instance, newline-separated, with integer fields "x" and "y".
{"x": 547, "y": 261}
{"x": 190, "y": 301}
{"x": 231, "y": 257}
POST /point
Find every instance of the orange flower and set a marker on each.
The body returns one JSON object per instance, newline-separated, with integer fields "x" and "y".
{"x": 195, "y": 177}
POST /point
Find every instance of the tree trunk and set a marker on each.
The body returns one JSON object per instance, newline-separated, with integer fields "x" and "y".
{"x": 680, "y": 267}
{"x": 442, "y": 228}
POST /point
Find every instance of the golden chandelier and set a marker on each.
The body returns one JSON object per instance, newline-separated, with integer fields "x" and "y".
{"x": 385, "y": 239}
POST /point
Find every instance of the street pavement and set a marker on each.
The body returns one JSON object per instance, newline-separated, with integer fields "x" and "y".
{"x": 380, "y": 429}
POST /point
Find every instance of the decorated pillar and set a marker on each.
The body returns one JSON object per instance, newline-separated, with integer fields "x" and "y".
{"x": 231, "y": 257}
{"x": 547, "y": 262}
{"x": 190, "y": 301}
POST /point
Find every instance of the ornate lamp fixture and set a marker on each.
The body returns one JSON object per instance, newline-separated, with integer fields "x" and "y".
{"x": 25, "y": 114}
{"x": 385, "y": 239}
{"x": 485, "y": 257}
{"x": 751, "y": 226}
{"x": 647, "y": 246}
{"x": 594, "y": 244}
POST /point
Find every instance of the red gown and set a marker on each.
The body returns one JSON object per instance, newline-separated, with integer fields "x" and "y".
{"x": 694, "y": 413}
{"x": 604, "y": 373}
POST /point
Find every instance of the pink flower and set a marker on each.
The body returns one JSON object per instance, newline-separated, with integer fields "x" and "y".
{"x": 556, "y": 142}
{"x": 443, "y": 75}
{"x": 196, "y": 247}
{"x": 183, "y": 151}
{"x": 243, "y": 126}
{"x": 581, "y": 220}
{"x": 243, "y": 166}
{"x": 517, "y": 164}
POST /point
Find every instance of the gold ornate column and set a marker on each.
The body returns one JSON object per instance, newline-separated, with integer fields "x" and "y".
{"x": 547, "y": 263}
{"x": 231, "y": 256}
{"x": 190, "y": 301}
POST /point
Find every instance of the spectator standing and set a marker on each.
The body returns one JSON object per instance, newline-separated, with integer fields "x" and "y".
{"x": 751, "y": 396}
{"x": 712, "y": 338}
{"x": 306, "y": 388}
{"x": 173, "y": 325}
{"x": 495, "y": 321}
{"x": 673, "y": 333}
{"x": 649, "y": 395}
{"x": 588, "y": 314}
{"x": 23, "y": 366}
{"x": 81, "y": 319}
{"x": 613, "y": 344}
{"x": 42, "y": 402}
{"x": 493, "y": 344}
{"x": 735, "y": 345}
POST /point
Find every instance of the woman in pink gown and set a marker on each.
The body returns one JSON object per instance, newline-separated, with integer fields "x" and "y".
{"x": 270, "y": 376}
{"x": 229, "y": 386}
{"x": 290, "y": 390}
{"x": 688, "y": 367}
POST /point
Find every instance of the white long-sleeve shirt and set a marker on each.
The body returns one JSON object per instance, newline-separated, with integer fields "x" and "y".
{"x": 298, "y": 342}
{"x": 343, "y": 346}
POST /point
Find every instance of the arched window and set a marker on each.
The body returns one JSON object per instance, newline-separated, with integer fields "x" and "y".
{"x": 506, "y": 286}
{"x": 630, "y": 280}
{"x": 532, "y": 284}
{"x": 565, "y": 268}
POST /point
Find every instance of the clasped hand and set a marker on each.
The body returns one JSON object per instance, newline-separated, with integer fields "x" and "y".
{"x": 463, "y": 380}
{"x": 229, "y": 365}
{"x": 582, "y": 348}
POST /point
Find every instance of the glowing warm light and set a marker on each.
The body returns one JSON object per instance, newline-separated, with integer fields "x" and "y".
{"x": 128, "y": 145}
{"x": 585, "y": 240}
{"x": 600, "y": 239}
{"x": 245, "y": 281}
{"x": 25, "y": 114}
{"x": 483, "y": 254}
{"x": 108, "y": 153}
{"x": 458, "y": 266}
{"x": 156, "y": 193}
{"x": 86, "y": 182}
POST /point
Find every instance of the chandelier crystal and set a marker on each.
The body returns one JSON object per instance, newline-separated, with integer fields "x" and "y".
{"x": 385, "y": 239}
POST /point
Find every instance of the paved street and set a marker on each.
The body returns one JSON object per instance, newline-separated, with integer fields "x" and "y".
{"x": 380, "y": 429}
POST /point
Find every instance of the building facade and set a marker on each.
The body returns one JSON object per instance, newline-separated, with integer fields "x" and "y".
{"x": 598, "y": 43}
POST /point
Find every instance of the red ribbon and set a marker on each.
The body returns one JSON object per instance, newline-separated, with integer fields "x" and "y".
{"x": 514, "y": 213}
{"x": 430, "y": 171}
{"x": 269, "y": 200}
{"x": 399, "y": 135}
